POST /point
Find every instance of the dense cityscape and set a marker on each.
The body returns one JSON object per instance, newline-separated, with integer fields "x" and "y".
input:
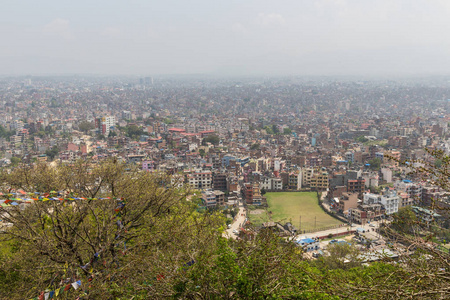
{"x": 225, "y": 150}
{"x": 320, "y": 162}
{"x": 235, "y": 139}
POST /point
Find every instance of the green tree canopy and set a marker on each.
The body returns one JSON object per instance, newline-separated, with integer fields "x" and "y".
{"x": 405, "y": 220}
{"x": 213, "y": 139}
{"x": 51, "y": 153}
{"x": 287, "y": 131}
{"x": 361, "y": 139}
{"x": 85, "y": 126}
{"x": 133, "y": 131}
{"x": 375, "y": 163}
{"x": 5, "y": 133}
{"x": 255, "y": 146}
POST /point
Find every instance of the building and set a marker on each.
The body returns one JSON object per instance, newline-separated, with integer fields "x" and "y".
{"x": 220, "y": 197}
{"x": 425, "y": 215}
{"x": 366, "y": 213}
{"x": 105, "y": 124}
{"x": 308, "y": 244}
{"x": 209, "y": 199}
{"x": 271, "y": 183}
{"x": 413, "y": 190}
{"x": 356, "y": 185}
{"x": 295, "y": 180}
{"x": 371, "y": 179}
{"x": 387, "y": 175}
{"x": 148, "y": 165}
{"x": 319, "y": 181}
{"x": 252, "y": 193}
{"x": 389, "y": 199}
{"x": 200, "y": 180}
{"x": 346, "y": 202}
{"x": 307, "y": 174}
{"x": 220, "y": 182}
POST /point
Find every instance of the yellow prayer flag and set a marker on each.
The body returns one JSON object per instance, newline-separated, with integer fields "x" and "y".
{"x": 57, "y": 293}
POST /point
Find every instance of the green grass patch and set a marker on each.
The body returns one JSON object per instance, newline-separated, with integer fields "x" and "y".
{"x": 259, "y": 218}
{"x": 293, "y": 206}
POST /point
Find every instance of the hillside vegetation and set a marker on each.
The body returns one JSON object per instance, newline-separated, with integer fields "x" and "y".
{"x": 124, "y": 234}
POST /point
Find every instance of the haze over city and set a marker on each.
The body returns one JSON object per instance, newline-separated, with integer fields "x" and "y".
{"x": 326, "y": 37}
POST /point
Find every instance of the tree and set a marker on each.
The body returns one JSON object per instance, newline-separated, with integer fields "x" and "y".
{"x": 405, "y": 220}
{"x": 287, "y": 131}
{"x": 124, "y": 233}
{"x": 275, "y": 129}
{"x": 15, "y": 160}
{"x": 438, "y": 163}
{"x": 133, "y": 131}
{"x": 361, "y": 139}
{"x": 85, "y": 126}
{"x": 213, "y": 139}
{"x": 255, "y": 146}
{"x": 49, "y": 130}
{"x": 341, "y": 256}
{"x": 5, "y": 133}
{"x": 268, "y": 129}
{"x": 51, "y": 153}
{"x": 375, "y": 163}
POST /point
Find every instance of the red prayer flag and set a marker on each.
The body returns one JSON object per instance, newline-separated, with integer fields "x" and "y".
{"x": 160, "y": 276}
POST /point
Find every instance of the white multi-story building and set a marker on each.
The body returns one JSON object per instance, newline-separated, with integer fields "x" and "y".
{"x": 200, "y": 180}
{"x": 271, "y": 184}
{"x": 109, "y": 121}
{"x": 104, "y": 124}
{"x": 412, "y": 189}
{"x": 390, "y": 200}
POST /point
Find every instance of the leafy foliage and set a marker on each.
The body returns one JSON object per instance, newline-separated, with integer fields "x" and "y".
{"x": 51, "y": 153}
{"x": 133, "y": 131}
{"x": 5, "y": 133}
{"x": 164, "y": 247}
{"x": 375, "y": 163}
{"x": 85, "y": 126}
{"x": 213, "y": 139}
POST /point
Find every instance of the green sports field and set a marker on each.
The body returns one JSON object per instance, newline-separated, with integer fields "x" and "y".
{"x": 293, "y": 206}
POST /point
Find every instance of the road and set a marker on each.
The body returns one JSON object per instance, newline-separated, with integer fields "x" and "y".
{"x": 340, "y": 230}
{"x": 240, "y": 218}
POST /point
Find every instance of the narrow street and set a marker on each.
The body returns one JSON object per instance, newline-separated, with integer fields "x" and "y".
{"x": 240, "y": 218}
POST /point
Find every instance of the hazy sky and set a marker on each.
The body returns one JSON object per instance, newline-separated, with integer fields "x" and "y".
{"x": 245, "y": 37}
